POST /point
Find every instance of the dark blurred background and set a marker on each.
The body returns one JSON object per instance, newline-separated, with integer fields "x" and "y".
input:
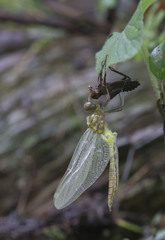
{"x": 47, "y": 61}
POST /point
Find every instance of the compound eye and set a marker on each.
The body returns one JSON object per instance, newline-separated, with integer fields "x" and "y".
{"x": 88, "y": 106}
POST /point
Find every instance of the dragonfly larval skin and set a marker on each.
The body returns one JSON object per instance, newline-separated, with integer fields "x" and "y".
{"x": 95, "y": 149}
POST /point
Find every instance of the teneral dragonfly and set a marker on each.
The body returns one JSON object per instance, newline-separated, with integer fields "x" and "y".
{"x": 96, "y": 148}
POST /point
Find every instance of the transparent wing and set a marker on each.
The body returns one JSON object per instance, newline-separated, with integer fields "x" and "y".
{"x": 89, "y": 160}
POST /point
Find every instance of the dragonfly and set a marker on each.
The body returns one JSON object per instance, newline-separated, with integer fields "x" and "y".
{"x": 96, "y": 148}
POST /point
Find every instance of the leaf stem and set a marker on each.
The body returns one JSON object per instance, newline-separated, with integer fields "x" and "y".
{"x": 163, "y": 92}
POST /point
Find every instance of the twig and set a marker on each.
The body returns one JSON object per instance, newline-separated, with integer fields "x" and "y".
{"x": 28, "y": 20}
{"x": 79, "y": 25}
{"x": 77, "y": 16}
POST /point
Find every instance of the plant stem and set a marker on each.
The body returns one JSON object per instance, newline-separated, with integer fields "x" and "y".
{"x": 129, "y": 226}
{"x": 163, "y": 92}
{"x": 152, "y": 77}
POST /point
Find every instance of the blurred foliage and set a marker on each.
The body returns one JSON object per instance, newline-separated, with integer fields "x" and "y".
{"x": 55, "y": 234}
{"x": 153, "y": 35}
{"x": 33, "y": 7}
{"x": 103, "y": 5}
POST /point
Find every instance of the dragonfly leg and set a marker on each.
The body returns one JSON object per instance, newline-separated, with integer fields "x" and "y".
{"x": 101, "y": 77}
{"x": 125, "y": 77}
{"x": 104, "y": 79}
{"x": 118, "y": 108}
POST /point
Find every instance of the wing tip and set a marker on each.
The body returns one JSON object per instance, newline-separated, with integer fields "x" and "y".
{"x": 57, "y": 202}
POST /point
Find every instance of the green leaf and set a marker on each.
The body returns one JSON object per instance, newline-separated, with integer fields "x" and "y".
{"x": 157, "y": 61}
{"x": 146, "y": 4}
{"x": 125, "y": 45}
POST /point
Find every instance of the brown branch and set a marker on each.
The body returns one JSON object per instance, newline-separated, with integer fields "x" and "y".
{"x": 64, "y": 10}
{"x": 28, "y": 20}
{"x": 77, "y": 16}
{"x": 70, "y": 25}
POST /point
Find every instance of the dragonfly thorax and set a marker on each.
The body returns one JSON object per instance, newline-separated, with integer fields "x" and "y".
{"x": 96, "y": 120}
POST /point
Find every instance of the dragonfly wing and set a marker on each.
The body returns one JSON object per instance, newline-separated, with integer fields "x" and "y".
{"x": 89, "y": 160}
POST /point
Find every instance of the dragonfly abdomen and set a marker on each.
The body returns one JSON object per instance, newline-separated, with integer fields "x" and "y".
{"x": 113, "y": 177}
{"x": 113, "y": 167}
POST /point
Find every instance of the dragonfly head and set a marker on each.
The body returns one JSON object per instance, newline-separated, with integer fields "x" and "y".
{"x": 88, "y": 106}
{"x": 91, "y": 105}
